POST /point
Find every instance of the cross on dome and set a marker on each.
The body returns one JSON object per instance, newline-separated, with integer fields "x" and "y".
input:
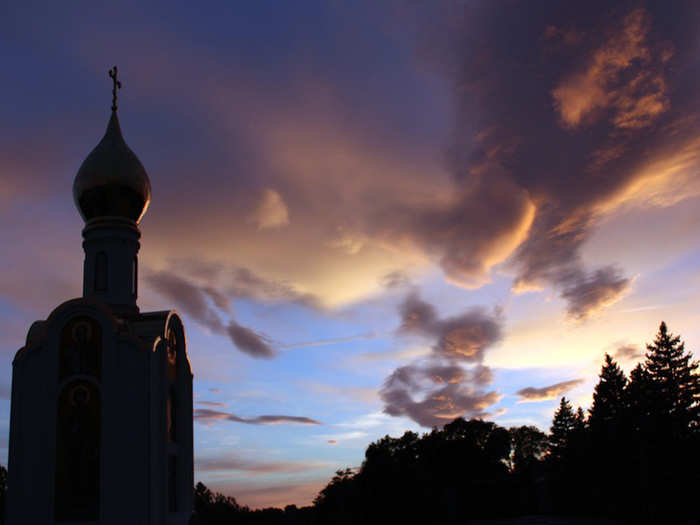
{"x": 116, "y": 84}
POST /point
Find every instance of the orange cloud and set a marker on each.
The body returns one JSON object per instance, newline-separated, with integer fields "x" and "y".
{"x": 271, "y": 211}
{"x": 623, "y": 75}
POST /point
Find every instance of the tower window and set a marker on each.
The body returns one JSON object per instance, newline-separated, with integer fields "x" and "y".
{"x": 101, "y": 272}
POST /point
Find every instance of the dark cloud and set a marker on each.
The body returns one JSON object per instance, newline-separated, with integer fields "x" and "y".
{"x": 206, "y": 415}
{"x": 212, "y": 403}
{"x": 435, "y": 390}
{"x": 547, "y": 392}
{"x": 219, "y": 299}
{"x": 248, "y": 341}
{"x": 444, "y": 373}
{"x": 588, "y": 293}
{"x": 452, "y": 398}
{"x": 628, "y": 353}
{"x": 555, "y": 259}
{"x": 464, "y": 337}
{"x": 481, "y": 375}
{"x": 188, "y": 297}
{"x": 417, "y": 315}
{"x": 194, "y": 301}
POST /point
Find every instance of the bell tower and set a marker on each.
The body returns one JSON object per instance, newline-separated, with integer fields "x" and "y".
{"x": 101, "y": 409}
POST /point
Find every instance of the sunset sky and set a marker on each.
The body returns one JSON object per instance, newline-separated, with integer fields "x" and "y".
{"x": 372, "y": 216}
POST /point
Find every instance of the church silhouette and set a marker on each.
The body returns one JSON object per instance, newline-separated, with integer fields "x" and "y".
{"x": 101, "y": 413}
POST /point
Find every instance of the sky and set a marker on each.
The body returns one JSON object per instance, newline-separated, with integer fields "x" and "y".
{"x": 372, "y": 216}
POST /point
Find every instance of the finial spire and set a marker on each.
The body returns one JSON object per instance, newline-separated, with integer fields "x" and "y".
{"x": 115, "y": 85}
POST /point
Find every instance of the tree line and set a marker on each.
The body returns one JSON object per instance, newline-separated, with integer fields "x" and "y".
{"x": 634, "y": 456}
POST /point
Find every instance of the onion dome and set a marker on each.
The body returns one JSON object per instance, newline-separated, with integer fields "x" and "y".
{"x": 112, "y": 182}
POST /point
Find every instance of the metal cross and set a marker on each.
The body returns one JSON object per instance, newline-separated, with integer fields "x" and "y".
{"x": 115, "y": 85}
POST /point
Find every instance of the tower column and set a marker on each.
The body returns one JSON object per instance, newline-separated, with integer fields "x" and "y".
{"x": 110, "y": 271}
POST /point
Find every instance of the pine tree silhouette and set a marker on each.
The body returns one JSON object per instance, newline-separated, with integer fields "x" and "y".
{"x": 609, "y": 440}
{"x": 565, "y": 447}
{"x": 579, "y": 420}
{"x": 608, "y": 396}
{"x": 676, "y": 391}
{"x": 638, "y": 399}
{"x": 563, "y": 425}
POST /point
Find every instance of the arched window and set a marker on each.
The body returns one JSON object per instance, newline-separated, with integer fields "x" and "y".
{"x": 79, "y": 422}
{"x": 78, "y": 452}
{"x": 101, "y": 272}
{"x": 81, "y": 349}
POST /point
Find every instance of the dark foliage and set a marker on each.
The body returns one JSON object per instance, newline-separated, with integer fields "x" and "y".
{"x": 216, "y": 509}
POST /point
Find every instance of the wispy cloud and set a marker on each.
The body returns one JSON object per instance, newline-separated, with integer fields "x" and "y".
{"x": 628, "y": 352}
{"x": 205, "y": 415}
{"x": 333, "y": 341}
{"x": 211, "y": 403}
{"x": 534, "y": 394}
{"x": 256, "y": 468}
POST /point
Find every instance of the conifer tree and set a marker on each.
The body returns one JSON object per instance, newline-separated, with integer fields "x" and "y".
{"x": 638, "y": 398}
{"x": 675, "y": 380}
{"x": 608, "y": 396}
{"x": 579, "y": 420}
{"x": 578, "y": 439}
{"x": 563, "y": 424}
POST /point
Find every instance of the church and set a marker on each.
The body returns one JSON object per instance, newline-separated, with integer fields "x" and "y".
{"x": 101, "y": 413}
